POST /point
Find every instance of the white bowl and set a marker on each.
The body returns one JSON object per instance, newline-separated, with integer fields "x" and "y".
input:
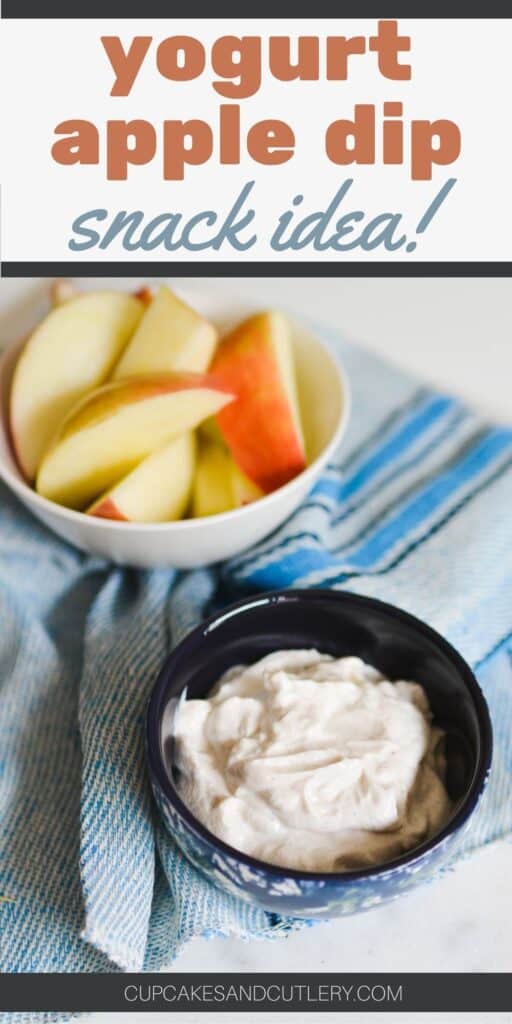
{"x": 324, "y": 402}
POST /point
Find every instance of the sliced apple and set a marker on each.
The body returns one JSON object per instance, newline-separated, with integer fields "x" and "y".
{"x": 171, "y": 336}
{"x": 145, "y": 294}
{"x": 262, "y": 428}
{"x": 209, "y": 431}
{"x": 243, "y": 490}
{"x": 108, "y": 433}
{"x": 72, "y": 351}
{"x": 62, "y": 291}
{"x": 219, "y": 485}
{"x": 158, "y": 489}
{"x": 212, "y": 492}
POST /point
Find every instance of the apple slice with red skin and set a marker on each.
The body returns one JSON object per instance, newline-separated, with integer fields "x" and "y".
{"x": 145, "y": 294}
{"x": 262, "y": 427}
{"x": 108, "y": 433}
{"x": 62, "y": 291}
{"x": 157, "y": 490}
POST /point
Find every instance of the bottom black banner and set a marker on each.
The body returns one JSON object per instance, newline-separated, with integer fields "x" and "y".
{"x": 278, "y": 992}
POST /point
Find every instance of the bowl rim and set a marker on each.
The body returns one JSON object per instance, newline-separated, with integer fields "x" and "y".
{"x": 480, "y": 775}
{"x": 28, "y": 494}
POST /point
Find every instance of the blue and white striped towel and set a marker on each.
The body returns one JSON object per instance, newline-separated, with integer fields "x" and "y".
{"x": 415, "y": 511}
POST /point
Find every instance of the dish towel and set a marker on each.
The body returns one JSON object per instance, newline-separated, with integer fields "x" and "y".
{"x": 415, "y": 509}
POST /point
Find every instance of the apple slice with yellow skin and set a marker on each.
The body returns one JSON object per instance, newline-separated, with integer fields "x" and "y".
{"x": 171, "y": 336}
{"x": 212, "y": 492}
{"x": 71, "y": 351}
{"x": 262, "y": 428}
{"x": 158, "y": 489}
{"x": 209, "y": 431}
{"x": 219, "y": 485}
{"x": 108, "y": 433}
{"x": 244, "y": 491}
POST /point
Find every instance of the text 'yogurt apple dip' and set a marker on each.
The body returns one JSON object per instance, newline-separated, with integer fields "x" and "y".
{"x": 312, "y": 762}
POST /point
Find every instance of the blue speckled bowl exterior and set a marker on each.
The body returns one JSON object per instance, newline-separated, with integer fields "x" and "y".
{"x": 306, "y": 894}
{"x": 291, "y": 896}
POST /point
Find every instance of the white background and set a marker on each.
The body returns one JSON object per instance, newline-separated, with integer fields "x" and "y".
{"x": 461, "y": 71}
{"x": 455, "y": 333}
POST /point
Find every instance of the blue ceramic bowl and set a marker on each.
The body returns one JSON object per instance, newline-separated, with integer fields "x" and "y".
{"x": 338, "y": 623}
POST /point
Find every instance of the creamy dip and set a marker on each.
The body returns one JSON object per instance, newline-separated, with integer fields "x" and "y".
{"x": 312, "y": 762}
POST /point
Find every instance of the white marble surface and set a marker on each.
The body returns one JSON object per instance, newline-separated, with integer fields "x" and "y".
{"x": 461, "y": 922}
{"x": 458, "y": 334}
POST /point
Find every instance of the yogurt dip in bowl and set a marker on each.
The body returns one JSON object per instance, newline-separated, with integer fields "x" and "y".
{"x": 313, "y": 762}
{"x": 336, "y": 761}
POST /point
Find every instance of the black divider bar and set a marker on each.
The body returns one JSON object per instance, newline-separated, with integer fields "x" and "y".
{"x": 393, "y": 268}
{"x": 264, "y": 9}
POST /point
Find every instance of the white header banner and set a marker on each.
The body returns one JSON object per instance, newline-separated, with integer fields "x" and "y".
{"x": 208, "y": 140}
